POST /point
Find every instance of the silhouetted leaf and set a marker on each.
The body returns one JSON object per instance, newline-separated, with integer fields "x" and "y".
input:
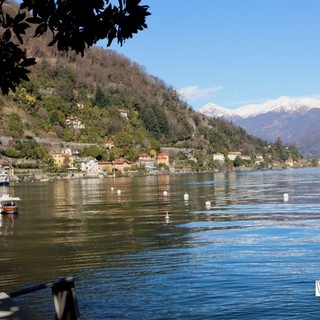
{"x": 34, "y": 20}
{"x": 41, "y": 29}
{"x": 9, "y": 20}
{"x": 19, "y": 17}
{"x": 7, "y": 35}
{"x": 28, "y": 62}
{"x": 75, "y": 25}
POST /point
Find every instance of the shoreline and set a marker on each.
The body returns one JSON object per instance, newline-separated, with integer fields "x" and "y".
{"x": 45, "y": 177}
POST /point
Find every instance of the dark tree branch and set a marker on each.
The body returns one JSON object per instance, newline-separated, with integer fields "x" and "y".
{"x": 74, "y": 25}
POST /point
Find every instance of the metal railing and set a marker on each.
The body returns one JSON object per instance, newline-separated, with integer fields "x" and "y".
{"x": 64, "y": 297}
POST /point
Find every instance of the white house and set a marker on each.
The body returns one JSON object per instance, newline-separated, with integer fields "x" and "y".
{"x": 147, "y": 161}
{"x": 124, "y": 114}
{"x": 218, "y": 157}
{"x": 89, "y": 165}
{"x": 258, "y": 159}
{"x": 290, "y": 163}
{"x": 246, "y": 158}
{"x": 109, "y": 144}
{"x": 70, "y": 152}
{"x": 232, "y": 155}
{"x": 74, "y": 122}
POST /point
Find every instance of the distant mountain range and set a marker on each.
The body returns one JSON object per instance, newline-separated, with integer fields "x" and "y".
{"x": 294, "y": 121}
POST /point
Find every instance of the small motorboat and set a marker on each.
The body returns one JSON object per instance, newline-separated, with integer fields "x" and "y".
{"x": 4, "y": 178}
{"x": 9, "y": 204}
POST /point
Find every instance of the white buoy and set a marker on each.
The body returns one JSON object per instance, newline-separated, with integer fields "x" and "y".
{"x": 186, "y": 197}
{"x": 112, "y": 188}
{"x": 165, "y": 193}
{"x": 118, "y": 192}
{"x": 285, "y": 197}
{"x": 208, "y": 204}
{"x": 167, "y": 218}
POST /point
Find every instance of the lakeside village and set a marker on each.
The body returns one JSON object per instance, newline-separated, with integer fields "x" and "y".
{"x": 20, "y": 159}
{"x": 68, "y": 164}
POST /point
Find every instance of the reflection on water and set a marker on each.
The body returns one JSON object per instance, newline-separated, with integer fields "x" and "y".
{"x": 143, "y": 254}
{"x": 7, "y": 223}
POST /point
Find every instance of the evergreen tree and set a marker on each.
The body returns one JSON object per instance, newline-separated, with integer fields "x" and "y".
{"x": 100, "y": 99}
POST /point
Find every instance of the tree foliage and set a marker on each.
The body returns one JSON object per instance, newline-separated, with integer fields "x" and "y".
{"x": 279, "y": 151}
{"x": 100, "y": 99}
{"x": 155, "y": 121}
{"x": 28, "y": 150}
{"x": 15, "y": 124}
{"x": 95, "y": 88}
{"x": 72, "y": 25}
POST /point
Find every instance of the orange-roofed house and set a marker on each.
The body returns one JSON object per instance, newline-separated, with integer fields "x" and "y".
{"x": 163, "y": 158}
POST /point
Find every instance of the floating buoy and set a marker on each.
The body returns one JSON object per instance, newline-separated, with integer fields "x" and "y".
{"x": 118, "y": 192}
{"x": 165, "y": 193}
{"x": 208, "y": 204}
{"x": 285, "y": 197}
{"x": 112, "y": 188}
{"x": 186, "y": 197}
{"x": 167, "y": 218}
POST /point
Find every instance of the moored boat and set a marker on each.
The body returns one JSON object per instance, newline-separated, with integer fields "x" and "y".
{"x": 9, "y": 204}
{"x": 4, "y": 178}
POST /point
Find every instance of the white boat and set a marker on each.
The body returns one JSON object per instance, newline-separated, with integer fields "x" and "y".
{"x": 9, "y": 204}
{"x": 4, "y": 178}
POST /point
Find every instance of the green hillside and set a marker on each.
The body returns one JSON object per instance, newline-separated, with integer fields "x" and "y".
{"x": 115, "y": 99}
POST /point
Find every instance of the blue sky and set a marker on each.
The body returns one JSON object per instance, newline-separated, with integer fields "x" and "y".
{"x": 231, "y": 52}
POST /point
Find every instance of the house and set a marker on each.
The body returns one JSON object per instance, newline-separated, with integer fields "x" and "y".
{"x": 232, "y": 155}
{"x": 258, "y": 159}
{"x": 74, "y": 122}
{"x": 105, "y": 166}
{"x": 4, "y": 164}
{"x": 191, "y": 158}
{"x": 147, "y": 161}
{"x": 109, "y": 144}
{"x": 218, "y": 157}
{"x": 61, "y": 159}
{"x": 145, "y": 157}
{"x": 290, "y": 163}
{"x": 124, "y": 114}
{"x": 67, "y": 151}
{"x": 88, "y": 164}
{"x": 116, "y": 165}
{"x": 80, "y": 105}
{"x": 163, "y": 158}
{"x": 70, "y": 152}
{"x": 121, "y": 165}
{"x": 246, "y": 158}
{"x": 58, "y": 159}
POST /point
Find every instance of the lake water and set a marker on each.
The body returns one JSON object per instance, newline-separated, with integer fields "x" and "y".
{"x": 250, "y": 255}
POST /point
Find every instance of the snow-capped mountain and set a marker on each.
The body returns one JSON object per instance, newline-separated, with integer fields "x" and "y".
{"x": 282, "y": 104}
{"x": 295, "y": 121}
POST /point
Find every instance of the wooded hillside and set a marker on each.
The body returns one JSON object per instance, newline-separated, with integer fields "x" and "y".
{"x": 115, "y": 99}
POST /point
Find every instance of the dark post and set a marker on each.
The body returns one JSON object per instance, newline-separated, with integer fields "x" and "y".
{"x": 65, "y": 300}
{"x": 64, "y": 297}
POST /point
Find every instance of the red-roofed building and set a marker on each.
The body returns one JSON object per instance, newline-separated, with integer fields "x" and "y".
{"x": 74, "y": 122}
{"x": 163, "y": 158}
{"x": 118, "y": 164}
